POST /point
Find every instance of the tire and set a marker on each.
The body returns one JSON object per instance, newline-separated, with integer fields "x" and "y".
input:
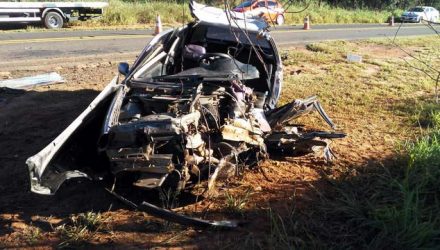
{"x": 280, "y": 20}
{"x": 53, "y": 20}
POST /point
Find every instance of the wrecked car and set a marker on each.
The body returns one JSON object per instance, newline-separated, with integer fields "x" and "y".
{"x": 198, "y": 102}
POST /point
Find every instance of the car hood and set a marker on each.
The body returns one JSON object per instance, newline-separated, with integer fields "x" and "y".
{"x": 217, "y": 16}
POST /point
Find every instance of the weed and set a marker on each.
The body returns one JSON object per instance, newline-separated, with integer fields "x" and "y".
{"x": 236, "y": 204}
{"x": 80, "y": 229}
{"x": 32, "y": 235}
{"x": 169, "y": 198}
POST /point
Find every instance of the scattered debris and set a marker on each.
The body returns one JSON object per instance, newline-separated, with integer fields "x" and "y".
{"x": 32, "y": 81}
{"x": 354, "y": 58}
{"x": 197, "y": 106}
{"x": 174, "y": 217}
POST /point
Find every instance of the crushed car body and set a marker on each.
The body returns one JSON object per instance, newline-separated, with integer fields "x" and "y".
{"x": 198, "y": 102}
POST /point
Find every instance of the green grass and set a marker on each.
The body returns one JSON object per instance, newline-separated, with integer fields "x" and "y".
{"x": 236, "y": 203}
{"x": 80, "y": 229}
{"x": 140, "y": 13}
{"x": 144, "y": 13}
{"x": 327, "y": 15}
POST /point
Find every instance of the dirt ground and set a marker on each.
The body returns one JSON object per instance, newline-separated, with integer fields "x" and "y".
{"x": 28, "y": 121}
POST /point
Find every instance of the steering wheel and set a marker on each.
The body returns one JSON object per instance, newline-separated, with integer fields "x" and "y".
{"x": 207, "y": 58}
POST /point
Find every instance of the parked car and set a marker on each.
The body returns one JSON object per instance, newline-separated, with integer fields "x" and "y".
{"x": 271, "y": 10}
{"x": 200, "y": 103}
{"x": 420, "y": 13}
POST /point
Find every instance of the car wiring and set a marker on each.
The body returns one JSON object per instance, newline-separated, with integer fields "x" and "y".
{"x": 245, "y": 32}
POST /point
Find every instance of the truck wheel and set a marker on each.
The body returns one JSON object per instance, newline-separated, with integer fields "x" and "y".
{"x": 53, "y": 20}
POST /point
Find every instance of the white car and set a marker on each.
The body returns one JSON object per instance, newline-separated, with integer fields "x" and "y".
{"x": 419, "y": 13}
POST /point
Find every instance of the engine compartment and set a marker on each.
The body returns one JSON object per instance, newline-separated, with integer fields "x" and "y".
{"x": 197, "y": 118}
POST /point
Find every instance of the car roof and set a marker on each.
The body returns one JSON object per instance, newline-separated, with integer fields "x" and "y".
{"x": 217, "y": 16}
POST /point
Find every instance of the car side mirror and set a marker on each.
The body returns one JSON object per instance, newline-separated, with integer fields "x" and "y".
{"x": 123, "y": 68}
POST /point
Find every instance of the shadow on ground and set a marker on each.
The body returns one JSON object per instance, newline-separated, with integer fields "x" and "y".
{"x": 28, "y": 121}
{"x": 19, "y": 26}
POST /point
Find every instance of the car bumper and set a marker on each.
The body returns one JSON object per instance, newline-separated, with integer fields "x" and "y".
{"x": 410, "y": 18}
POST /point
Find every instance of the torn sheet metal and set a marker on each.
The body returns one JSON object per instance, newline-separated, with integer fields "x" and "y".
{"x": 38, "y": 163}
{"x": 32, "y": 81}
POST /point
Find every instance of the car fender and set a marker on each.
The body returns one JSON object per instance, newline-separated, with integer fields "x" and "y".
{"x": 38, "y": 163}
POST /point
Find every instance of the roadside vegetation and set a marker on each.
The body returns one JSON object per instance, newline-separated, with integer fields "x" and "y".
{"x": 140, "y": 13}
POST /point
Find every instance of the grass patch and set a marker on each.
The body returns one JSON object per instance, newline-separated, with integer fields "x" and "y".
{"x": 327, "y": 14}
{"x": 80, "y": 229}
{"x": 121, "y": 13}
{"x": 32, "y": 235}
{"x": 236, "y": 203}
{"x": 171, "y": 13}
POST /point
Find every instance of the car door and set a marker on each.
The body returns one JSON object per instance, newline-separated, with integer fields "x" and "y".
{"x": 428, "y": 13}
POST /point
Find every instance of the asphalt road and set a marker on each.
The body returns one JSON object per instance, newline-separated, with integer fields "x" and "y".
{"x": 58, "y": 44}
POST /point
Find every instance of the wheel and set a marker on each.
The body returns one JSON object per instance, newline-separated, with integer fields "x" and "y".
{"x": 280, "y": 19}
{"x": 53, "y": 20}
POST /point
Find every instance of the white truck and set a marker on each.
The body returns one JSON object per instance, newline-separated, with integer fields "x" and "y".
{"x": 52, "y": 14}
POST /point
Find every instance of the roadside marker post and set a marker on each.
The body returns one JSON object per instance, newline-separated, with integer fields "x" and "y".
{"x": 391, "y": 23}
{"x": 306, "y": 23}
{"x": 158, "y": 27}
